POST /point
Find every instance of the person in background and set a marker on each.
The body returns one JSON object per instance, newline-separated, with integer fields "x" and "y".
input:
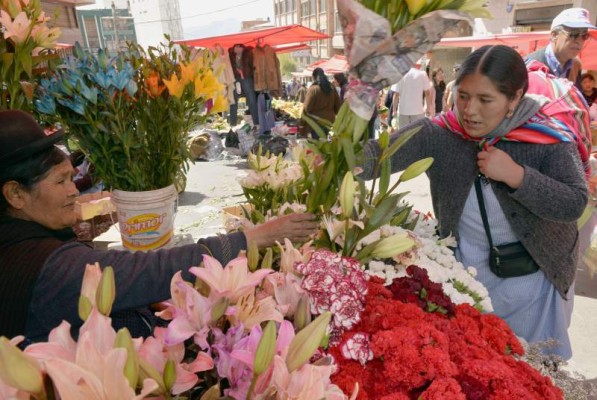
{"x": 448, "y": 99}
{"x": 534, "y": 189}
{"x": 408, "y": 94}
{"x": 569, "y": 33}
{"x": 321, "y": 101}
{"x": 302, "y": 93}
{"x": 293, "y": 87}
{"x": 341, "y": 83}
{"x": 388, "y": 103}
{"x": 437, "y": 79}
{"x": 588, "y": 89}
{"x": 42, "y": 264}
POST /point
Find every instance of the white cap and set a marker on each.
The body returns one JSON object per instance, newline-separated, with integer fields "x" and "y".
{"x": 573, "y": 18}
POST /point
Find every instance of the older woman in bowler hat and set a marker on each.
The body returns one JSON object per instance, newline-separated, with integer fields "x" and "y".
{"x": 42, "y": 264}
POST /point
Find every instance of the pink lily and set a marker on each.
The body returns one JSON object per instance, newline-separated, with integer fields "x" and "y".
{"x": 17, "y": 29}
{"x": 91, "y": 368}
{"x": 234, "y": 281}
{"x": 286, "y": 289}
{"x": 105, "y": 382}
{"x": 60, "y": 344}
{"x": 190, "y": 313}
{"x": 252, "y": 312}
{"x": 157, "y": 353}
{"x": 308, "y": 382}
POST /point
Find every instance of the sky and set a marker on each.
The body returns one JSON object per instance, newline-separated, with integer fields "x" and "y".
{"x": 202, "y": 18}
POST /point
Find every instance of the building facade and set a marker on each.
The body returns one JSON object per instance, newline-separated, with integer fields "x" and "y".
{"x": 154, "y": 19}
{"x": 319, "y": 15}
{"x": 63, "y": 15}
{"x": 109, "y": 28}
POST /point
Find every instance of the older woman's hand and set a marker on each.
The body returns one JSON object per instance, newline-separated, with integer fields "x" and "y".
{"x": 295, "y": 227}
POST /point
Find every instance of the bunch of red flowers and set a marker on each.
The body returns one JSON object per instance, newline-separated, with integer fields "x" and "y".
{"x": 400, "y": 350}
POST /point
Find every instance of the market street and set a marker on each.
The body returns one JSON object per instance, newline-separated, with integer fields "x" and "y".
{"x": 214, "y": 185}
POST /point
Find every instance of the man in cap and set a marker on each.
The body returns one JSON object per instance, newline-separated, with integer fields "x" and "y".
{"x": 569, "y": 32}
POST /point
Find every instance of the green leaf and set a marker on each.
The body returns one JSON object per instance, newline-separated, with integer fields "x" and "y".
{"x": 398, "y": 143}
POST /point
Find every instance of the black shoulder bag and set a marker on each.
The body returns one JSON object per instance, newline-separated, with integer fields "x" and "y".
{"x": 508, "y": 260}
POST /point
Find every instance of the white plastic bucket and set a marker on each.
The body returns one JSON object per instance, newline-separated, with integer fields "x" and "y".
{"x": 146, "y": 219}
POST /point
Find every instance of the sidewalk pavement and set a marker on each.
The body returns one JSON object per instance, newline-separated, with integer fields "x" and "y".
{"x": 213, "y": 185}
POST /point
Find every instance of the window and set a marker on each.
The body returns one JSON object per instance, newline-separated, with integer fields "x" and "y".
{"x": 305, "y": 9}
{"x": 313, "y": 7}
{"x": 322, "y": 6}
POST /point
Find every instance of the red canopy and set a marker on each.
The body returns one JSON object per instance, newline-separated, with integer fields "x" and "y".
{"x": 525, "y": 42}
{"x": 333, "y": 65}
{"x": 273, "y": 36}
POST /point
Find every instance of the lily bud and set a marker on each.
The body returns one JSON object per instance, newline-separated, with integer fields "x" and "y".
{"x": 384, "y": 140}
{"x": 252, "y": 256}
{"x": 213, "y": 393}
{"x": 392, "y": 246}
{"x": 304, "y": 344}
{"x": 19, "y": 370}
{"x": 147, "y": 371}
{"x": 106, "y": 292}
{"x": 414, "y": 6}
{"x": 416, "y": 169}
{"x": 266, "y": 349}
{"x": 219, "y": 308}
{"x": 85, "y": 307}
{"x": 169, "y": 375}
{"x": 347, "y": 195}
{"x": 268, "y": 259}
{"x": 302, "y": 315}
{"x": 131, "y": 367}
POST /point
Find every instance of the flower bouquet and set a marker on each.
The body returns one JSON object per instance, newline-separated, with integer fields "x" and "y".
{"x": 320, "y": 328}
{"x": 131, "y": 114}
{"x": 25, "y": 39}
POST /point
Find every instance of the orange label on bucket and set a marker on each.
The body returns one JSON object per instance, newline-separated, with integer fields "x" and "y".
{"x": 143, "y": 223}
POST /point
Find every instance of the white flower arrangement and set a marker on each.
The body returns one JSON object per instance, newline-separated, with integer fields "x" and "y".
{"x": 435, "y": 256}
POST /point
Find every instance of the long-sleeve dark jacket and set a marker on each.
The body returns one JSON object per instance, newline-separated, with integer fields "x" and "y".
{"x": 41, "y": 272}
{"x": 542, "y": 212}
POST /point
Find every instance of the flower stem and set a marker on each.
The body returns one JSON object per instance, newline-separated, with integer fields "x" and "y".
{"x": 252, "y": 387}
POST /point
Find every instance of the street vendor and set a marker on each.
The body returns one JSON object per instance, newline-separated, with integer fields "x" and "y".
{"x": 527, "y": 178}
{"x": 42, "y": 264}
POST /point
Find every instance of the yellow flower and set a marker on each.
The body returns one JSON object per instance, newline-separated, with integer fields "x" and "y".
{"x": 187, "y": 72}
{"x": 207, "y": 86}
{"x": 44, "y": 36}
{"x": 175, "y": 86}
{"x": 220, "y": 105}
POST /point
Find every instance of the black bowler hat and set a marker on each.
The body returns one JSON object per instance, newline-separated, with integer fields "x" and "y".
{"x": 22, "y": 137}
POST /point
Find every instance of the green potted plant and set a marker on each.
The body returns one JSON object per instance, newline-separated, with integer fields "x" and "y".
{"x": 131, "y": 114}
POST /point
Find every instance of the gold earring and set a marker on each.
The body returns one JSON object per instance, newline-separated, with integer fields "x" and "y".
{"x": 510, "y": 113}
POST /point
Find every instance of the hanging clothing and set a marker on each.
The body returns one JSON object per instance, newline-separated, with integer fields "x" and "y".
{"x": 222, "y": 59}
{"x": 241, "y": 59}
{"x": 267, "y": 71}
{"x": 267, "y": 119}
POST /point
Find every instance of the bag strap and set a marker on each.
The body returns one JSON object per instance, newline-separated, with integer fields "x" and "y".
{"x": 482, "y": 209}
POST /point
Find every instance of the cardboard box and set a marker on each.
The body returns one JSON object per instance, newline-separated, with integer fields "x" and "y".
{"x": 236, "y": 211}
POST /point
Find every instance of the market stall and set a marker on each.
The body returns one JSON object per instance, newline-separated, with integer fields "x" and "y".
{"x": 253, "y": 72}
{"x": 524, "y": 42}
{"x": 331, "y": 66}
